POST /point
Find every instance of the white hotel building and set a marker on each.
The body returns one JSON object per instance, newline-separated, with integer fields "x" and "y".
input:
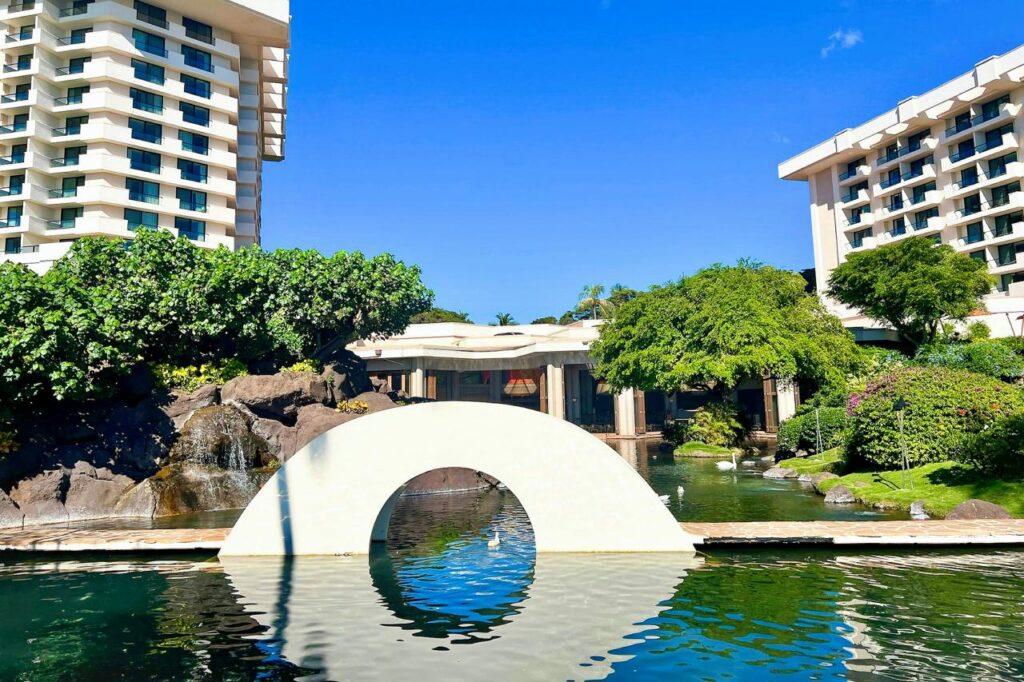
{"x": 117, "y": 116}
{"x": 946, "y": 164}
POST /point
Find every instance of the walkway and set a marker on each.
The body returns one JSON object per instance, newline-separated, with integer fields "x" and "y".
{"x": 775, "y": 533}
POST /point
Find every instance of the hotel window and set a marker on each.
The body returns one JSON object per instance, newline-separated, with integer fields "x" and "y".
{"x": 196, "y": 86}
{"x": 147, "y": 42}
{"x": 21, "y": 92}
{"x": 141, "y": 160}
{"x": 74, "y": 95}
{"x": 917, "y": 166}
{"x": 193, "y": 229}
{"x": 24, "y": 62}
{"x": 994, "y": 138}
{"x": 73, "y": 124}
{"x": 14, "y": 216}
{"x": 147, "y": 101}
{"x": 851, "y": 168}
{"x": 76, "y": 37}
{"x": 141, "y": 220}
{"x": 69, "y": 187}
{"x": 899, "y": 226}
{"x": 895, "y": 202}
{"x": 921, "y": 218}
{"x": 964, "y": 150}
{"x": 147, "y": 131}
{"x": 141, "y": 190}
{"x": 199, "y": 116}
{"x": 1006, "y": 280}
{"x": 856, "y": 213}
{"x": 893, "y": 178}
{"x": 1004, "y": 223}
{"x": 1008, "y": 254}
{"x": 194, "y": 142}
{"x": 972, "y": 204}
{"x": 77, "y": 65}
{"x": 979, "y": 255}
{"x": 975, "y": 233}
{"x": 962, "y": 122}
{"x": 914, "y": 142}
{"x": 12, "y": 245}
{"x": 197, "y": 30}
{"x": 191, "y": 200}
{"x": 859, "y": 237}
{"x": 921, "y": 191}
{"x": 968, "y": 177}
{"x": 19, "y": 123}
{"x": 892, "y": 151}
{"x": 192, "y": 171}
{"x": 151, "y": 73}
{"x": 198, "y": 59}
{"x": 15, "y": 183}
{"x": 151, "y": 14}
{"x": 69, "y": 215}
{"x": 1001, "y": 195}
{"x": 990, "y": 110}
{"x": 997, "y": 167}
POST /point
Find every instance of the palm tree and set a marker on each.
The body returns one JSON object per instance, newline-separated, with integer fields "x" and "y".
{"x": 505, "y": 319}
{"x": 590, "y": 299}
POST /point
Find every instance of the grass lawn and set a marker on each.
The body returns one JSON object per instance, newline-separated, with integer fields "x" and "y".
{"x": 826, "y": 461}
{"x": 941, "y": 486}
{"x": 698, "y": 449}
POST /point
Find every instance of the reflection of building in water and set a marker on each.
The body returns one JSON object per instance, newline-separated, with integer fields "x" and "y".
{"x": 545, "y": 367}
{"x": 578, "y": 609}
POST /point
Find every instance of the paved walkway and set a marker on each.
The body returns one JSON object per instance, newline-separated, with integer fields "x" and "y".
{"x": 775, "y": 533}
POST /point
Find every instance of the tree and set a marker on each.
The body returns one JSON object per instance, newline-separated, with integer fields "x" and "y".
{"x": 591, "y": 305}
{"x": 440, "y": 315}
{"x": 550, "y": 319}
{"x": 721, "y": 326}
{"x": 912, "y": 285}
{"x": 504, "y": 319}
{"x": 621, "y": 294}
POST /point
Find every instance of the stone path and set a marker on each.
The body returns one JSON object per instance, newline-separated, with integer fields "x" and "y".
{"x": 844, "y": 533}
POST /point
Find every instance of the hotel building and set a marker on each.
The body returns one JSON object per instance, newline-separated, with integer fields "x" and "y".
{"x": 946, "y": 164}
{"x": 549, "y": 368}
{"x": 117, "y": 116}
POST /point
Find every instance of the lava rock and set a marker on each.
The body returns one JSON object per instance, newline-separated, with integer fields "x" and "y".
{"x": 450, "y": 480}
{"x": 376, "y": 402}
{"x": 779, "y": 473}
{"x": 92, "y": 493}
{"x": 11, "y": 515}
{"x": 277, "y": 396}
{"x": 977, "y": 509}
{"x": 220, "y": 436}
{"x": 41, "y": 498}
{"x": 346, "y": 376}
{"x": 840, "y": 495}
{"x": 181, "y": 405}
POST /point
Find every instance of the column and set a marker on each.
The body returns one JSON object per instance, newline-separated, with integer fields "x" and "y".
{"x": 625, "y": 413}
{"x": 417, "y": 380}
{"x": 786, "y": 394}
{"x": 556, "y": 390}
{"x": 573, "y": 408}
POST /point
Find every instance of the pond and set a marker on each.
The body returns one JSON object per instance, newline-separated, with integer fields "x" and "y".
{"x": 437, "y": 603}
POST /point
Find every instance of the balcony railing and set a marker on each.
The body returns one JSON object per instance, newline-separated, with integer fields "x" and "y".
{"x": 153, "y": 20}
{"x": 16, "y": 128}
{"x": 1010, "y": 259}
{"x": 197, "y": 206}
{"x": 62, "y": 224}
{"x": 146, "y": 106}
{"x": 24, "y": 34}
{"x": 21, "y": 6}
{"x": 902, "y": 151}
{"x": 850, "y": 174}
{"x": 72, "y": 40}
{"x": 144, "y": 137}
{"x": 194, "y": 236}
{"x": 13, "y": 158}
{"x": 15, "y": 68}
{"x": 69, "y": 70}
{"x": 65, "y": 163}
{"x": 66, "y": 101}
{"x": 64, "y": 132}
{"x": 10, "y": 222}
{"x": 201, "y": 37}
{"x": 15, "y": 250}
{"x": 976, "y": 121}
{"x": 144, "y": 198}
{"x": 143, "y": 46}
{"x": 63, "y": 193}
{"x": 922, "y": 223}
{"x": 73, "y": 11}
{"x": 16, "y": 97}
{"x": 851, "y": 196}
{"x": 961, "y": 155}
{"x": 10, "y": 191}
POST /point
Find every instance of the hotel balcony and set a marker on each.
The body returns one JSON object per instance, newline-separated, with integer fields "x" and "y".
{"x": 908, "y": 179}
{"x": 866, "y": 244}
{"x": 980, "y": 123}
{"x": 864, "y": 220}
{"x": 1016, "y": 233}
{"x": 1014, "y": 169}
{"x": 930, "y": 225}
{"x": 853, "y": 199}
{"x": 907, "y": 152}
{"x": 861, "y": 172}
{"x": 982, "y": 152}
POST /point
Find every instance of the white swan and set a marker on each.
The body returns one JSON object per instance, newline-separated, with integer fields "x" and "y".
{"x": 664, "y": 499}
{"x": 491, "y": 544}
{"x": 727, "y": 466}
{"x": 680, "y": 491}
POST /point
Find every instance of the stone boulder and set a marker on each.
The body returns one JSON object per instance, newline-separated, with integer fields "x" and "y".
{"x": 220, "y": 436}
{"x": 977, "y": 509}
{"x": 181, "y": 405}
{"x": 41, "y": 497}
{"x": 277, "y": 396}
{"x": 346, "y": 376}
{"x": 11, "y": 515}
{"x": 816, "y": 479}
{"x": 450, "y": 480}
{"x": 93, "y": 493}
{"x": 779, "y": 473}
{"x": 375, "y": 401}
{"x": 182, "y": 489}
{"x": 840, "y": 495}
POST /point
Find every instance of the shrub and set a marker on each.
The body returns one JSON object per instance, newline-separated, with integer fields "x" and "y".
{"x": 978, "y": 331}
{"x": 716, "y": 424}
{"x": 302, "y": 367}
{"x": 676, "y": 431}
{"x": 800, "y": 432}
{"x": 994, "y": 358}
{"x": 190, "y": 378}
{"x": 8, "y": 444}
{"x": 997, "y": 449}
{"x": 353, "y": 407}
{"x": 943, "y": 407}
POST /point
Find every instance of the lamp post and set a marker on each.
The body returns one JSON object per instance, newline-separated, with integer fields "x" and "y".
{"x": 899, "y": 407}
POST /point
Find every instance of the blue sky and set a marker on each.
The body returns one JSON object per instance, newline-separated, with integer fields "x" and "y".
{"x": 517, "y": 151}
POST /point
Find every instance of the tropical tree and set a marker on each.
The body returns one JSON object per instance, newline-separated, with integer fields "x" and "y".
{"x": 591, "y": 303}
{"x": 549, "y": 319}
{"x": 721, "y": 326}
{"x": 504, "y": 319}
{"x": 440, "y": 315}
{"x": 620, "y": 294}
{"x": 912, "y": 285}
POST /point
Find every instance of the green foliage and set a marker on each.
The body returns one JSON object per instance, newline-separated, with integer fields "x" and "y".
{"x": 997, "y": 449}
{"x": 943, "y": 407}
{"x": 190, "y": 377}
{"x": 978, "y": 331}
{"x": 353, "y": 407}
{"x": 829, "y": 460}
{"x": 550, "y": 319}
{"x": 994, "y": 358}
{"x": 504, "y": 319}
{"x": 913, "y": 285}
{"x": 303, "y": 367}
{"x": 439, "y": 315}
{"x": 8, "y": 443}
{"x": 721, "y": 326}
{"x": 110, "y": 304}
{"x": 699, "y": 449}
{"x": 716, "y": 424}
{"x": 800, "y": 432}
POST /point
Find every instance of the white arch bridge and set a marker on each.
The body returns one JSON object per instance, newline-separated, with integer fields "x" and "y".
{"x": 335, "y": 496}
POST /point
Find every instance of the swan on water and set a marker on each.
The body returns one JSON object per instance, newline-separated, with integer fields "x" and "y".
{"x": 664, "y": 498}
{"x": 491, "y": 544}
{"x": 726, "y": 466}
{"x": 680, "y": 491}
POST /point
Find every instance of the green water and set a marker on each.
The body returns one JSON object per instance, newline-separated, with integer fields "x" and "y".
{"x": 437, "y": 604}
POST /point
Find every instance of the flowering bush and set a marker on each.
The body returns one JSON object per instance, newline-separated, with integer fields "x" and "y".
{"x": 190, "y": 378}
{"x": 943, "y": 407}
{"x": 994, "y": 358}
{"x": 302, "y": 367}
{"x": 353, "y": 406}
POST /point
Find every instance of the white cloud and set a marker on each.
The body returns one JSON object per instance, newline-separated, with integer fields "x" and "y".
{"x": 842, "y": 40}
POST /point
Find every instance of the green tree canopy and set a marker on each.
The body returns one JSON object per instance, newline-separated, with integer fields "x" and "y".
{"x": 111, "y": 304}
{"x": 912, "y": 285}
{"x": 549, "y": 319}
{"x": 720, "y": 326}
{"x": 504, "y": 319}
{"x": 440, "y": 315}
